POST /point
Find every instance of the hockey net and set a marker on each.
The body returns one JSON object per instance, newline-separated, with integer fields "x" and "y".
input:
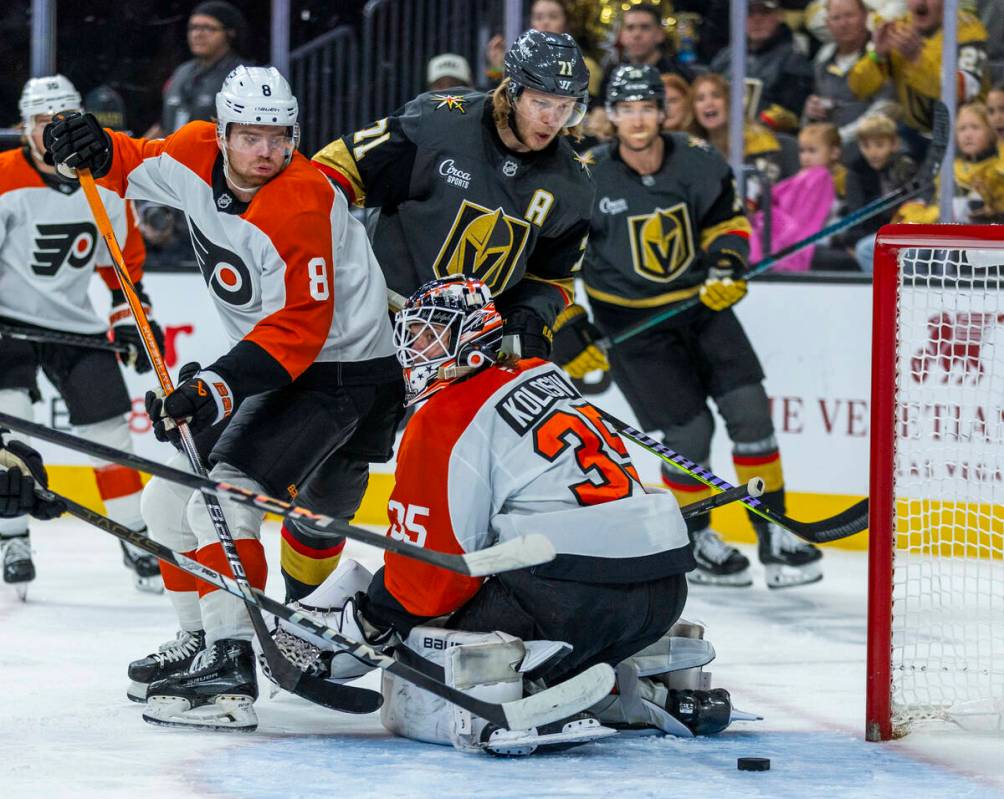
{"x": 936, "y": 559}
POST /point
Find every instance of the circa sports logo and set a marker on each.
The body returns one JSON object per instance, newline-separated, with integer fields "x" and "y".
{"x": 955, "y": 346}
{"x": 223, "y": 270}
{"x": 454, "y": 176}
{"x": 610, "y": 206}
{"x": 64, "y": 243}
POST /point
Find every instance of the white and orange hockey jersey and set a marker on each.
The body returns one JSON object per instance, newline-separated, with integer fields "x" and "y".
{"x": 511, "y": 452}
{"x": 278, "y": 266}
{"x": 50, "y": 246}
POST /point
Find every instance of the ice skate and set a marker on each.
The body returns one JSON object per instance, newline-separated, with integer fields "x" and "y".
{"x": 717, "y": 562}
{"x": 145, "y": 568}
{"x": 216, "y": 693}
{"x": 582, "y": 728}
{"x": 172, "y": 658}
{"x": 18, "y": 568}
{"x": 788, "y": 561}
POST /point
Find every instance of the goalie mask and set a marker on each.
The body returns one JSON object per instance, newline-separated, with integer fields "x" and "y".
{"x": 446, "y": 330}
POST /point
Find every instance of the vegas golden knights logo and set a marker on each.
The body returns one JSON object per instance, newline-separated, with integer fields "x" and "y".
{"x": 662, "y": 243}
{"x": 483, "y": 243}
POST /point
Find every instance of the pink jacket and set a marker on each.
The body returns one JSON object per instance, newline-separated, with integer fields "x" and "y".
{"x": 801, "y": 206}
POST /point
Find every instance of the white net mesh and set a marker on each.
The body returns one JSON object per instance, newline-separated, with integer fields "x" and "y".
{"x": 948, "y": 579}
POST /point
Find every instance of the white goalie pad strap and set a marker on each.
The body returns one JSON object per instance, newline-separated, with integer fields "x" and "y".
{"x": 672, "y": 653}
{"x": 639, "y": 702}
{"x": 540, "y": 652}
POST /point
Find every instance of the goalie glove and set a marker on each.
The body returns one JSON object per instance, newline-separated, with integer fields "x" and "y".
{"x": 724, "y": 285}
{"x": 123, "y": 330}
{"x": 202, "y": 399}
{"x": 575, "y": 348}
{"x": 20, "y": 469}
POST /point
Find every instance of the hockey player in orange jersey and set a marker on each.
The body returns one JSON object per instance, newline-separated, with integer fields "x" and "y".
{"x": 299, "y": 381}
{"x": 49, "y": 250}
{"x": 494, "y": 453}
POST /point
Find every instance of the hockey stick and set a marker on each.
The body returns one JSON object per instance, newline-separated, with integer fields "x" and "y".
{"x": 518, "y": 553}
{"x": 68, "y": 339}
{"x": 925, "y": 177}
{"x": 844, "y": 524}
{"x": 552, "y": 704}
{"x": 754, "y": 488}
{"x": 285, "y": 673}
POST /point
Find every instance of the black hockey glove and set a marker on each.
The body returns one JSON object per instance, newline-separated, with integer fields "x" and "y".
{"x": 524, "y": 335}
{"x": 20, "y": 468}
{"x": 725, "y": 284}
{"x": 76, "y": 141}
{"x": 575, "y": 349}
{"x": 201, "y": 399}
{"x": 124, "y": 330}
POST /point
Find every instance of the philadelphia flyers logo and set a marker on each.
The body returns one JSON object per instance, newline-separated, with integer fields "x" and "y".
{"x": 64, "y": 243}
{"x": 224, "y": 272}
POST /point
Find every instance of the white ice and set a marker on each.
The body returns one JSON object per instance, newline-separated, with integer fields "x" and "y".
{"x": 795, "y": 656}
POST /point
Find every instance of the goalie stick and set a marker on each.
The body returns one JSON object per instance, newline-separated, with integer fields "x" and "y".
{"x": 753, "y": 489}
{"x": 69, "y": 339}
{"x": 519, "y": 553}
{"x": 552, "y": 704}
{"x": 925, "y": 177}
{"x": 844, "y": 524}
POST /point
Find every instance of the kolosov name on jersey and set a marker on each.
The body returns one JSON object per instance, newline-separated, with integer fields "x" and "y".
{"x": 526, "y": 404}
{"x": 454, "y": 176}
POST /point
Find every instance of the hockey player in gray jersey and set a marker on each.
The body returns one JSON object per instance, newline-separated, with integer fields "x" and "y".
{"x": 667, "y": 226}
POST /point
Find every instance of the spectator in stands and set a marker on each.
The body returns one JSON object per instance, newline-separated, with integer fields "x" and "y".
{"x": 762, "y": 148}
{"x": 678, "y": 107}
{"x": 447, "y": 71}
{"x": 781, "y": 75}
{"x": 907, "y": 52}
{"x": 832, "y": 99}
{"x": 995, "y": 112}
{"x": 879, "y": 169}
{"x": 979, "y": 174}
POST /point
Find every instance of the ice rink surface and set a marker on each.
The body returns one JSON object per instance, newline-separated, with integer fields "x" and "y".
{"x": 795, "y": 656}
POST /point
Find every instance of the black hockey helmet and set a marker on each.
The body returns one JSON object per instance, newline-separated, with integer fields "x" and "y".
{"x": 548, "y": 62}
{"x": 633, "y": 82}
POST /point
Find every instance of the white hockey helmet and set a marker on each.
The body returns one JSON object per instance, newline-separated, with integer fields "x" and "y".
{"x": 48, "y": 95}
{"x": 256, "y": 96}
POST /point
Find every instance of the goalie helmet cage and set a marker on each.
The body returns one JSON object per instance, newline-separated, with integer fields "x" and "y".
{"x": 936, "y": 527}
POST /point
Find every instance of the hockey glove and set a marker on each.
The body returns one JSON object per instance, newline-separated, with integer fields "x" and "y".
{"x": 123, "y": 330}
{"x": 201, "y": 399}
{"x": 575, "y": 349}
{"x": 524, "y": 335}
{"x": 20, "y": 468}
{"x": 724, "y": 285}
{"x": 76, "y": 141}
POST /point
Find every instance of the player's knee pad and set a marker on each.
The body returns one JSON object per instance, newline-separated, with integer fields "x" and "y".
{"x": 746, "y": 411}
{"x": 16, "y": 402}
{"x": 163, "y": 506}
{"x": 693, "y": 437}
{"x": 243, "y": 520}
{"x": 488, "y": 666}
{"x": 112, "y": 432}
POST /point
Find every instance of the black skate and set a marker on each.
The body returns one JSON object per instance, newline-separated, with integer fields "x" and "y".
{"x": 145, "y": 568}
{"x": 18, "y": 568}
{"x": 582, "y": 728}
{"x": 172, "y": 658}
{"x": 717, "y": 562}
{"x": 788, "y": 561}
{"x": 216, "y": 693}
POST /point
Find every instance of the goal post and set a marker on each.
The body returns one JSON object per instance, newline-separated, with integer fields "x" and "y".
{"x": 936, "y": 527}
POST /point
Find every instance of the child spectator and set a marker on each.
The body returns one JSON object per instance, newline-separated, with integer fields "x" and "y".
{"x": 678, "y": 112}
{"x": 995, "y": 111}
{"x": 880, "y": 168}
{"x": 979, "y": 174}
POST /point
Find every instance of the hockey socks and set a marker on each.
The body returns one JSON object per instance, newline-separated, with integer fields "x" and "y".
{"x": 307, "y": 559}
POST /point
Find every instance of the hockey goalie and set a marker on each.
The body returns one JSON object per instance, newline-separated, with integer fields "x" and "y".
{"x": 492, "y": 453}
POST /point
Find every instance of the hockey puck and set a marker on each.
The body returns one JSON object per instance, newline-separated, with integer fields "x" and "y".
{"x": 754, "y": 764}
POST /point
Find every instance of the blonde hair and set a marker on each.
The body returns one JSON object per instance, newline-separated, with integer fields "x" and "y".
{"x": 824, "y": 132}
{"x": 678, "y": 84}
{"x": 502, "y": 110}
{"x": 876, "y": 126}
{"x": 980, "y": 110}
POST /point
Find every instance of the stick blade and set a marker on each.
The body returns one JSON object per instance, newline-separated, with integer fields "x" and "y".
{"x": 941, "y": 131}
{"x": 571, "y": 696}
{"x": 846, "y": 523}
{"x": 518, "y": 553}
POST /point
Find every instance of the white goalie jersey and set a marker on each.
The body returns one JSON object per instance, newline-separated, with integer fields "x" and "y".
{"x": 512, "y": 452}
{"x": 50, "y": 247}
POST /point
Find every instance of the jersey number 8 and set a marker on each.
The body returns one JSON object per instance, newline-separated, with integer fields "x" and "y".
{"x": 318, "y": 272}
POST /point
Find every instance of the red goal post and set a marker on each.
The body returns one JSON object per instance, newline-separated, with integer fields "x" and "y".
{"x": 936, "y": 527}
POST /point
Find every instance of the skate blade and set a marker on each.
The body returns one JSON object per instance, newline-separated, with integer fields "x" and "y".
{"x": 226, "y": 713}
{"x": 149, "y": 585}
{"x": 136, "y": 692}
{"x": 780, "y": 576}
{"x": 519, "y": 743}
{"x": 741, "y": 579}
